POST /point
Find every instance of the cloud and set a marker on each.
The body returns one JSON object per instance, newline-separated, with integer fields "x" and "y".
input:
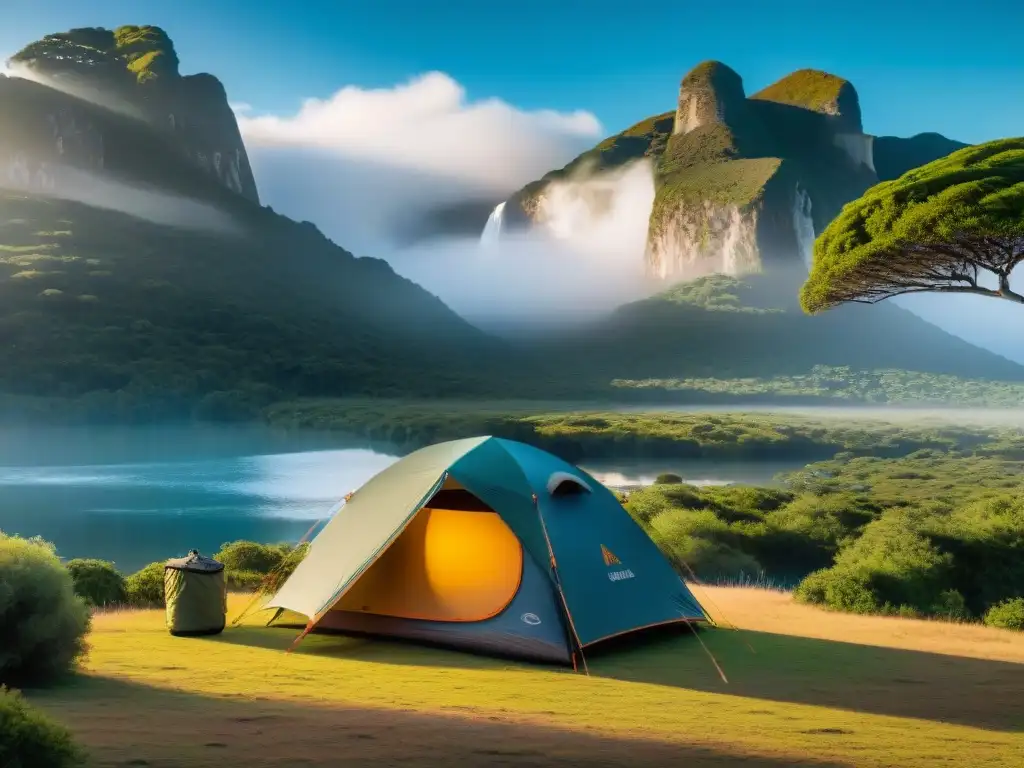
{"x": 428, "y": 125}
{"x": 367, "y": 165}
{"x": 99, "y": 191}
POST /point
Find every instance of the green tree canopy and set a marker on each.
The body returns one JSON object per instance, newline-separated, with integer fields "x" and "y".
{"x": 955, "y": 225}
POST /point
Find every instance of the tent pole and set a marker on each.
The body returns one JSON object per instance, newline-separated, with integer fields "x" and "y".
{"x": 574, "y": 637}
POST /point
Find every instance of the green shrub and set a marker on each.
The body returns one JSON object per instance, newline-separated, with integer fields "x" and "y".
{"x": 837, "y": 590}
{"x": 951, "y": 605}
{"x": 244, "y": 581}
{"x": 97, "y": 582}
{"x": 145, "y": 588}
{"x": 692, "y": 540}
{"x": 43, "y": 622}
{"x": 250, "y": 580}
{"x": 1008, "y": 614}
{"x": 986, "y": 540}
{"x": 829, "y": 520}
{"x": 291, "y": 561}
{"x": 668, "y": 479}
{"x": 646, "y": 504}
{"x": 29, "y": 739}
{"x": 252, "y": 556}
{"x": 901, "y": 566}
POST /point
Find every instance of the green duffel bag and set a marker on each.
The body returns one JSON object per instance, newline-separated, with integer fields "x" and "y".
{"x": 196, "y": 595}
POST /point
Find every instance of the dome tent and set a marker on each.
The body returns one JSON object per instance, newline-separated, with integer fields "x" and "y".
{"x": 195, "y": 592}
{"x": 489, "y": 545}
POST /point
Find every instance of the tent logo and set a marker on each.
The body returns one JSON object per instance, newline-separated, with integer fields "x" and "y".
{"x": 530, "y": 618}
{"x": 610, "y": 560}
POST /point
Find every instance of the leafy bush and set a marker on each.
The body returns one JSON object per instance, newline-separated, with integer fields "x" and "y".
{"x": 986, "y": 540}
{"x": 252, "y": 556}
{"x": 244, "y": 581}
{"x": 902, "y": 565}
{"x": 838, "y": 590}
{"x": 891, "y": 566}
{"x": 145, "y": 588}
{"x": 668, "y": 478}
{"x": 43, "y": 622}
{"x": 97, "y": 582}
{"x": 1008, "y": 614}
{"x": 827, "y": 521}
{"x": 250, "y": 565}
{"x": 29, "y": 739}
{"x": 251, "y": 580}
{"x": 692, "y": 540}
{"x": 952, "y": 606}
{"x": 646, "y": 504}
{"x": 291, "y": 561}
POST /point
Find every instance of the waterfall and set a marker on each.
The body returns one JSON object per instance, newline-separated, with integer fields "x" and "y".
{"x": 803, "y": 225}
{"x": 493, "y": 227}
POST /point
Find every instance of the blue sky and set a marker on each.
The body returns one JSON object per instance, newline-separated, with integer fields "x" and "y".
{"x": 953, "y": 67}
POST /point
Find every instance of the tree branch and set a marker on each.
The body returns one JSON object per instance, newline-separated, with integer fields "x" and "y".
{"x": 878, "y": 293}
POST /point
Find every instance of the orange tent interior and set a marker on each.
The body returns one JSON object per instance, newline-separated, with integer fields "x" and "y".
{"x": 449, "y": 564}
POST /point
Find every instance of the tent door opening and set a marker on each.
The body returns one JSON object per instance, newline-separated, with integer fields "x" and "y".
{"x": 456, "y": 561}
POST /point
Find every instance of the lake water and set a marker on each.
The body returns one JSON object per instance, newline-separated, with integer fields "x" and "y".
{"x": 135, "y": 496}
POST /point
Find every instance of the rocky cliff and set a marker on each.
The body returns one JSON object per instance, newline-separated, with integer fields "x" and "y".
{"x": 742, "y": 183}
{"x": 77, "y": 95}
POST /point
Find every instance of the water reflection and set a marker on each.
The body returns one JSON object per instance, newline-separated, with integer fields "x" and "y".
{"x": 136, "y": 512}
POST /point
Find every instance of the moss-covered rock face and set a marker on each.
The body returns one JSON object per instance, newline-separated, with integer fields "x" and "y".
{"x": 740, "y": 180}
{"x": 742, "y": 184}
{"x": 143, "y": 53}
{"x": 818, "y": 91}
{"x": 711, "y": 92}
{"x": 52, "y": 121}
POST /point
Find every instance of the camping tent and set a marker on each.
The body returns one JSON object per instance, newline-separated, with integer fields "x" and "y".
{"x": 490, "y": 545}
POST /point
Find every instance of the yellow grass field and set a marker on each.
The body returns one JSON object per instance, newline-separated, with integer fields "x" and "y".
{"x": 805, "y": 687}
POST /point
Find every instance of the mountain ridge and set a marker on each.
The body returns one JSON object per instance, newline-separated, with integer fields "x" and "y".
{"x": 133, "y": 71}
{"x": 734, "y": 172}
{"x": 137, "y": 279}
